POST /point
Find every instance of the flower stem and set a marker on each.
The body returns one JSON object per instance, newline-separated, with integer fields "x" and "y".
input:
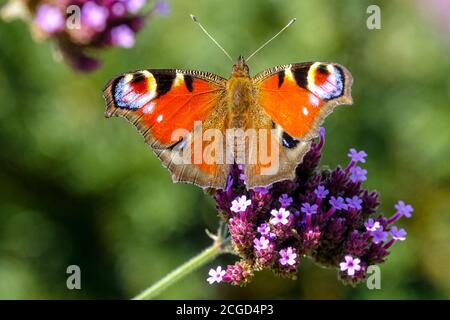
{"x": 394, "y": 218}
{"x": 207, "y": 255}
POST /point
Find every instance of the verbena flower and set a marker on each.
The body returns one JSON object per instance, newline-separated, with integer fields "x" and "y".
{"x": 338, "y": 203}
{"x": 350, "y": 265}
{"x": 97, "y": 24}
{"x": 280, "y": 216}
{"x": 309, "y": 209}
{"x": 240, "y": 204}
{"x": 322, "y": 214}
{"x": 122, "y": 36}
{"x": 285, "y": 200}
{"x": 379, "y": 235}
{"x": 372, "y": 225}
{"x": 263, "y": 229}
{"x": 261, "y": 243}
{"x": 216, "y": 275}
{"x": 404, "y": 209}
{"x": 354, "y": 203}
{"x": 357, "y": 174}
{"x": 356, "y": 156}
{"x": 398, "y": 234}
{"x": 321, "y": 192}
{"x": 288, "y": 257}
{"x": 50, "y": 19}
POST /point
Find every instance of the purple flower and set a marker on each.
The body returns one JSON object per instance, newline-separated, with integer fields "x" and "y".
{"x": 216, "y": 275}
{"x": 372, "y": 225}
{"x": 261, "y": 243}
{"x": 322, "y": 133}
{"x": 321, "y": 192}
{"x": 276, "y": 239}
{"x": 357, "y": 156}
{"x": 354, "y": 202}
{"x": 240, "y": 204}
{"x": 241, "y": 173}
{"x": 288, "y": 256}
{"x": 357, "y": 174}
{"x": 398, "y": 234}
{"x": 229, "y": 184}
{"x": 94, "y": 16}
{"x": 379, "y": 235}
{"x": 104, "y": 23}
{"x": 280, "y": 216}
{"x": 50, "y": 19}
{"x": 161, "y": 8}
{"x": 264, "y": 229}
{"x": 133, "y": 6}
{"x": 285, "y": 200}
{"x": 350, "y": 265}
{"x": 404, "y": 209}
{"x": 338, "y": 203}
{"x": 122, "y": 36}
{"x": 118, "y": 9}
{"x": 309, "y": 209}
{"x": 261, "y": 190}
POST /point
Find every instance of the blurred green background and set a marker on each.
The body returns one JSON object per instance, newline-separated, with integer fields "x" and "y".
{"x": 76, "y": 188}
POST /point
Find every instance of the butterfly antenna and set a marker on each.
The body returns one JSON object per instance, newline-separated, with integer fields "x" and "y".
{"x": 268, "y": 41}
{"x": 194, "y": 18}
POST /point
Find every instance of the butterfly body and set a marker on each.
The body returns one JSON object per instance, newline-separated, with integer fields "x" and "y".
{"x": 240, "y": 95}
{"x": 200, "y": 124}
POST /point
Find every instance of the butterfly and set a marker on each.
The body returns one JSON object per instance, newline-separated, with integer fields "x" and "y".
{"x": 288, "y": 103}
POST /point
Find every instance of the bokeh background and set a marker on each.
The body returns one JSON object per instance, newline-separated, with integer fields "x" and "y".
{"x": 76, "y": 188}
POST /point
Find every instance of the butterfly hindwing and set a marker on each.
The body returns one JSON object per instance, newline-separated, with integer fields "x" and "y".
{"x": 167, "y": 107}
{"x": 275, "y": 161}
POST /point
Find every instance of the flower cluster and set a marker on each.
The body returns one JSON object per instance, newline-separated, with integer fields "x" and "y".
{"x": 323, "y": 214}
{"x": 78, "y": 26}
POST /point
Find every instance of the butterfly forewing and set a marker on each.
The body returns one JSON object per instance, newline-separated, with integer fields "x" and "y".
{"x": 168, "y": 107}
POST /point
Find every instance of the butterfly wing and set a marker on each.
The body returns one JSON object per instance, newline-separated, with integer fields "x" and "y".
{"x": 297, "y": 98}
{"x": 171, "y": 108}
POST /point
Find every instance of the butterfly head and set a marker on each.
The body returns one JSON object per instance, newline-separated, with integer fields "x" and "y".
{"x": 240, "y": 68}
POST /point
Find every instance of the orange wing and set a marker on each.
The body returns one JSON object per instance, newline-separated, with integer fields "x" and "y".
{"x": 298, "y": 97}
{"x": 295, "y": 100}
{"x": 168, "y": 107}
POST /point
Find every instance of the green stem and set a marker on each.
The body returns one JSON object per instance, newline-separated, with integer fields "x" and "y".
{"x": 186, "y": 268}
